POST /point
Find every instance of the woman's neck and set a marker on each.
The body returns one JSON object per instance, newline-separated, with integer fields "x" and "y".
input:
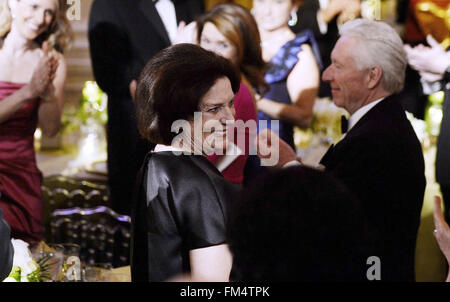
{"x": 272, "y": 41}
{"x": 282, "y": 33}
{"x": 16, "y": 44}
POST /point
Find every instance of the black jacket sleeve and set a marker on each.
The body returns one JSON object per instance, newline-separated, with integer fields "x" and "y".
{"x": 110, "y": 47}
{"x": 6, "y": 249}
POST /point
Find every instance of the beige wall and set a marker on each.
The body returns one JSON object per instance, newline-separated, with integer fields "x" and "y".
{"x": 78, "y": 59}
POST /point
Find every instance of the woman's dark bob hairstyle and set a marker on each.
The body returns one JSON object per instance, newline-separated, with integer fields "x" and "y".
{"x": 172, "y": 85}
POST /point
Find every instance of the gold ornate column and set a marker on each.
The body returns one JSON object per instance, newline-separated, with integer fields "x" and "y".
{"x": 245, "y": 3}
{"x": 434, "y": 19}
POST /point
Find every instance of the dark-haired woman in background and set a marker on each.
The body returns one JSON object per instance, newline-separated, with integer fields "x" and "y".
{"x": 293, "y": 73}
{"x": 181, "y": 211}
{"x": 230, "y": 31}
{"x": 33, "y": 34}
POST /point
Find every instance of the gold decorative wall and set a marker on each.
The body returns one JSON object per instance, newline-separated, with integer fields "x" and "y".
{"x": 210, "y": 3}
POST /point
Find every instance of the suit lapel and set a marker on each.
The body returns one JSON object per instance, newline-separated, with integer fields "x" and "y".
{"x": 181, "y": 11}
{"x": 149, "y": 10}
{"x": 374, "y": 113}
{"x": 328, "y": 159}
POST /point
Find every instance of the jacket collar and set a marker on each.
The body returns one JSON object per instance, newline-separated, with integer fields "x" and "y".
{"x": 149, "y": 10}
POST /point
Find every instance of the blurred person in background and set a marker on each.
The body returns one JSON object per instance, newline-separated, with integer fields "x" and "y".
{"x": 123, "y": 37}
{"x": 33, "y": 35}
{"x": 293, "y": 72}
{"x": 433, "y": 64}
{"x": 323, "y": 17}
{"x": 230, "y": 31}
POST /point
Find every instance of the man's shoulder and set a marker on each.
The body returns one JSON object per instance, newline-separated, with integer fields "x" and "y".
{"x": 387, "y": 118}
{"x": 383, "y": 127}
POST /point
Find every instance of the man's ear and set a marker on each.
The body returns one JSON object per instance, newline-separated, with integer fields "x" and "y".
{"x": 375, "y": 76}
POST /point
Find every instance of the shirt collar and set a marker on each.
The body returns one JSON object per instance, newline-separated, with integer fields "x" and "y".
{"x": 360, "y": 113}
{"x": 162, "y": 148}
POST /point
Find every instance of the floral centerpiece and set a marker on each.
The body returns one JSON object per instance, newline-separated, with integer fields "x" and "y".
{"x": 92, "y": 108}
{"x": 25, "y": 268}
{"x": 325, "y": 127}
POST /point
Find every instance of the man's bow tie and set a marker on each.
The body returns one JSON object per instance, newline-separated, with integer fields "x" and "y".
{"x": 344, "y": 124}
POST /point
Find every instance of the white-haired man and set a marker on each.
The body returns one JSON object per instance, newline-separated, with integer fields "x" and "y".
{"x": 380, "y": 158}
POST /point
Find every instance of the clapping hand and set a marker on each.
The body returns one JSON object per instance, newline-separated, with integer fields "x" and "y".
{"x": 430, "y": 62}
{"x": 187, "y": 33}
{"x": 345, "y": 9}
{"x": 350, "y": 11}
{"x": 43, "y": 75}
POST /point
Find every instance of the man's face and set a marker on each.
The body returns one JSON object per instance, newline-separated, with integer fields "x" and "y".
{"x": 348, "y": 84}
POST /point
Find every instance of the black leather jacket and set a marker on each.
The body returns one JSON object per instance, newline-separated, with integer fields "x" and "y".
{"x": 6, "y": 249}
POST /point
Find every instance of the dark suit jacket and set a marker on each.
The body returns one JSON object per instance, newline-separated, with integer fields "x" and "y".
{"x": 380, "y": 160}
{"x": 307, "y": 19}
{"x": 443, "y": 148}
{"x": 124, "y": 35}
{"x": 6, "y": 249}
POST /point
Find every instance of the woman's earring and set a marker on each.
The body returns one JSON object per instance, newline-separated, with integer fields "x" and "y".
{"x": 293, "y": 19}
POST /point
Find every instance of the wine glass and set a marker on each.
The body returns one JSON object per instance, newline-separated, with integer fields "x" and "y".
{"x": 97, "y": 272}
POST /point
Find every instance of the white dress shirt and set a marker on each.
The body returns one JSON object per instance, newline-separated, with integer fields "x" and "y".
{"x": 359, "y": 114}
{"x": 166, "y": 11}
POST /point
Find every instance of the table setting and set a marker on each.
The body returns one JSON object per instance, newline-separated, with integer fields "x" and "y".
{"x": 43, "y": 262}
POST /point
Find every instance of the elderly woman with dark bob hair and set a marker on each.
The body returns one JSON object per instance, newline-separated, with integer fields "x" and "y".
{"x": 180, "y": 212}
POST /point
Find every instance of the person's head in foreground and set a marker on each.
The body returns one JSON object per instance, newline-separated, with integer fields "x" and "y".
{"x": 298, "y": 224}
{"x": 177, "y": 83}
{"x": 368, "y": 62}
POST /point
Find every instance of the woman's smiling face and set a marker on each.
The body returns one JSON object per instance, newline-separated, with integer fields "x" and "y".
{"x": 217, "y": 108}
{"x": 33, "y": 17}
{"x": 272, "y": 14}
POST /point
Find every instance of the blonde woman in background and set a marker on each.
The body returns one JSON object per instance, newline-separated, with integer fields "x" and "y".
{"x": 33, "y": 35}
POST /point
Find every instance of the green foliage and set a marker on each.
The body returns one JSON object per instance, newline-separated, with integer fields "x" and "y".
{"x": 93, "y": 105}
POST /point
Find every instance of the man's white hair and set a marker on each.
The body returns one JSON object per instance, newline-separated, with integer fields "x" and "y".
{"x": 378, "y": 45}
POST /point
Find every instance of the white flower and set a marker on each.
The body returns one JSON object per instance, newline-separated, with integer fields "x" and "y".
{"x": 22, "y": 255}
{"x": 23, "y": 260}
